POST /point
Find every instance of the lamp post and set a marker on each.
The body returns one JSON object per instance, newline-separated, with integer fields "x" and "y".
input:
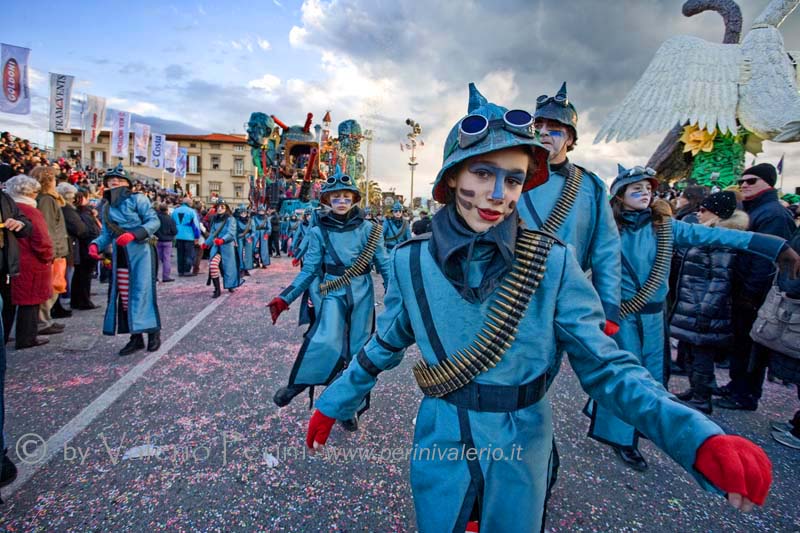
{"x": 416, "y": 131}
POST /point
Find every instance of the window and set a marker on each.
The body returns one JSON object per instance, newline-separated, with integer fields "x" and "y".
{"x": 74, "y": 139}
{"x": 194, "y": 164}
{"x": 238, "y": 148}
{"x": 99, "y": 158}
{"x": 238, "y": 190}
{"x": 214, "y": 187}
{"x": 215, "y": 159}
{"x": 238, "y": 166}
{"x": 192, "y": 145}
{"x": 192, "y": 188}
{"x": 215, "y": 146}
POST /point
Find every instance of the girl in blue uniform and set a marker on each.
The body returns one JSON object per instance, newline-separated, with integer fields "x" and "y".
{"x": 222, "y": 256}
{"x": 262, "y": 230}
{"x": 245, "y": 232}
{"x": 647, "y": 234}
{"x": 483, "y": 436}
{"x": 129, "y": 221}
{"x": 343, "y": 246}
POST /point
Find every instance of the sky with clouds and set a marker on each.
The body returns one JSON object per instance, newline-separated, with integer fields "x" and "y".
{"x": 198, "y": 67}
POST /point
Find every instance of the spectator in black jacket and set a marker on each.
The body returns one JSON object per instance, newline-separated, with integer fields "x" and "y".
{"x": 423, "y": 225}
{"x": 165, "y": 234}
{"x": 85, "y": 265}
{"x": 75, "y": 230}
{"x": 753, "y": 277}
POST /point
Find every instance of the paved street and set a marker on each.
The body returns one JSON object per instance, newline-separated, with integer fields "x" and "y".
{"x": 188, "y": 439}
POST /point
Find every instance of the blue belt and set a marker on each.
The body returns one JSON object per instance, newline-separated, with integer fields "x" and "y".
{"x": 652, "y": 308}
{"x": 498, "y": 398}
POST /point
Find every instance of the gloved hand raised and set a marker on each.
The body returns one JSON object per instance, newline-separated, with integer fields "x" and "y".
{"x": 611, "y": 328}
{"x": 295, "y": 262}
{"x": 94, "y": 252}
{"x": 738, "y": 467}
{"x": 277, "y": 306}
{"x": 126, "y": 238}
{"x": 219, "y": 242}
{"x": 319, "y": 429}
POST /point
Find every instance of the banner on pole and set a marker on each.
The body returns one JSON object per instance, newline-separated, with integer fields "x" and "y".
{"x": 141, "y": 139}
{"x": 157, "y": 150}
{"x": 60, "y": 98}
{"x": 16, "y": 95}
{"x": 170, "y": 156}
{"x": 120, "y": 134}
{"x": 183, "y": 159}
{"x": 94, "y": 115}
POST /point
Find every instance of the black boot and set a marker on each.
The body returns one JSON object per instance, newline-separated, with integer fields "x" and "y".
{"x": 217, "y": 291}
{"x": 153, "y": 341}
{"x": 285, "y": 395}
{"x": 350, "y": 425}
{"x": 245, "y": 273}
{"x": 686, "y": 395}
{"x": 58, "y": 311}
{"x": 631, "y": 457}
{"x": 134, "y": 345}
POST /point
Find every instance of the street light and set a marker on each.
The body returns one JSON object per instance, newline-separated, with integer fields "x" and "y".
{"x": 416, "y": 131}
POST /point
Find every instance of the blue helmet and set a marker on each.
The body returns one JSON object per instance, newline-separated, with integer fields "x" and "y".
{"x": 558, "y": 108}
{"x": 117, "y": 172}
{"x": 626, "y": 176}
{"x": 486, "y": 128}
{"x": 340, "y": 182}
{"x": 397, "y": 206}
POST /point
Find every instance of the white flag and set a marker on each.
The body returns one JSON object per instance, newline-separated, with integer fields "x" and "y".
{"x": 16, "y": 95}
{"x": 120, "y": 134}
{"x": 170, "y": 156}
{"x": 157, "y": 150}
{"x": 60, "y": 98}
{"x": 94, "y": 115}
{"x": 141, "y": 138}
{"x": 183, "y": 159}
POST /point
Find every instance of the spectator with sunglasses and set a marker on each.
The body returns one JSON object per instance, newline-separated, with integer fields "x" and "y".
{"x": 752, "y": 279}
{"x": 589, "y": 225}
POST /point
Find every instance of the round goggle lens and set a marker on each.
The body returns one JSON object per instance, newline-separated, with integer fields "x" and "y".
{"x": 473, "y": 124}
{"x": 518, "y": 117}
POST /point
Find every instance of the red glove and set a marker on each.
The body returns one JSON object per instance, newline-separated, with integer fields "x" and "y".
{"x": 219, "y": 242}
{"x": 319, "y": 428}
{"x": 126, "y": 238}
{"x": 277, "y": 306}
{"x": 94, "y": 252}
{"x": 204, "y": 246}
{"x": 295, "y": 262}
{"x": 611, "y": 328}
{"x": 735, "y": 465}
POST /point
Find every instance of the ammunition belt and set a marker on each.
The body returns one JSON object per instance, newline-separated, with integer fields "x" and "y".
{"x": 499, "y": 329}
{"x": 657, "y": 275}
{"x": 359, "y": 267}
{"x": 565, "y": 202}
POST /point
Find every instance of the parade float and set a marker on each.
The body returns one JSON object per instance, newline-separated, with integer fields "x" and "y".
{"x": 719, "y": 101}
{"x": 291, "y": 162}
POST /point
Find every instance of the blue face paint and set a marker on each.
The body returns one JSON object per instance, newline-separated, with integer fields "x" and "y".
{"x": 486, "y": 170}
{"x": 556, "y": 133}
{"x": 341, "y": 201}
{"x": 639, "y": 194}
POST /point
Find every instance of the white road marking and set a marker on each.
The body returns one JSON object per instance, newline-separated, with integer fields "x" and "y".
{"x": 55, "y": 444}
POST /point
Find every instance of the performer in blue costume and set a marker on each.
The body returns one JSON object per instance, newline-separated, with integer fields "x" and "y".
{"x": 344, "y": 246}
{"x": 489, "y": 305}
{"x": 395, "y": 228}
{"x": 223, "y": 260}
{"x": 129, "y": 222}
{"x": 299, "y": 234}
{"x": 311, "y": 298}
{"x": 262, "y": 230}
{"x": 587, "y": 223}
{"x": 648, "y": 234}
{"x": 245, "y": 234}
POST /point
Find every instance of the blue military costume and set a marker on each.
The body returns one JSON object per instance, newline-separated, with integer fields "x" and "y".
{"x": 224, "y": 227}
{"x": 136, "y": 311}
{"x": 345, "y": 316}
{"x": 245, "y": 237}
{"x": 642, "y": 333}
{"x": 395, "y": 230}
{"x": 504, "y": 407}
{"x": 262, "y": 230}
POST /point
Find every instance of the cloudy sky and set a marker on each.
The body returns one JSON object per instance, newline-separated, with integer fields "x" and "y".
{"x": 205, "y": 66}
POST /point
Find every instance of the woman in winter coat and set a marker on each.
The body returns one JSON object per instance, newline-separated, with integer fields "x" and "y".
{"x": 49, "y": 203}
{"x": 76, "y": 229}
{"x": 647, "y": 234}
{"x": 33, "y": 286}
{"x": 222, "y": 257}
{"x": 701, "y": 316}
{"x": 85, "y": 265}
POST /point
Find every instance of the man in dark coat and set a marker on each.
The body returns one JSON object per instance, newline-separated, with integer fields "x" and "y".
{"x": 423, "y": 225}
{"x": 752, "y": 279}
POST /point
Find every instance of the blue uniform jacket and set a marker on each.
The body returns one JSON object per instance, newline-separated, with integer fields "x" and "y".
{"x": 188, "y": 223}
{"x": 245, "y": 248}
{"x": 229, "y": 264}
{"x": 263, "y": 228}
{"x": 132, "y": 212}
{"x": 395, "y": 232}
{"x": 589, "y": 228}
{"x": 565, "y": 312}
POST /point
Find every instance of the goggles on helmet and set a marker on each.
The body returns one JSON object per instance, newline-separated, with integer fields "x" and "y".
{"x": 474, "y": 128}
{"x": 342, "y": 179}
{"x": 560, "y": 99}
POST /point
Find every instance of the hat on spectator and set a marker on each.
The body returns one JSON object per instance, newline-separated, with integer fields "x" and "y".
{"x": 765, "y": 171}
{"x": 722, "y": 204}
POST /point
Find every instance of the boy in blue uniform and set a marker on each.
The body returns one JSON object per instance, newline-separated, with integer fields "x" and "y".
{"x": 343, "y": 246}
{"x": 488, "y": 305}
{"x": 129, "y": 222}
{"x": 245, "y": 233}
{"x": 395, "y": 228}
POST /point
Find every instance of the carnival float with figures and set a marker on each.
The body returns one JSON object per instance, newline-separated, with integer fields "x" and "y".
{"x": 291, "y": 162}
{"x": 718, "y": 101}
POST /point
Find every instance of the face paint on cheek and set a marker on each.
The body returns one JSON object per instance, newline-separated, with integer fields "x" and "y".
{"x": 461, "y": 198}
{"x": 512, "y": 205}
{"x": 341, "y": 202}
